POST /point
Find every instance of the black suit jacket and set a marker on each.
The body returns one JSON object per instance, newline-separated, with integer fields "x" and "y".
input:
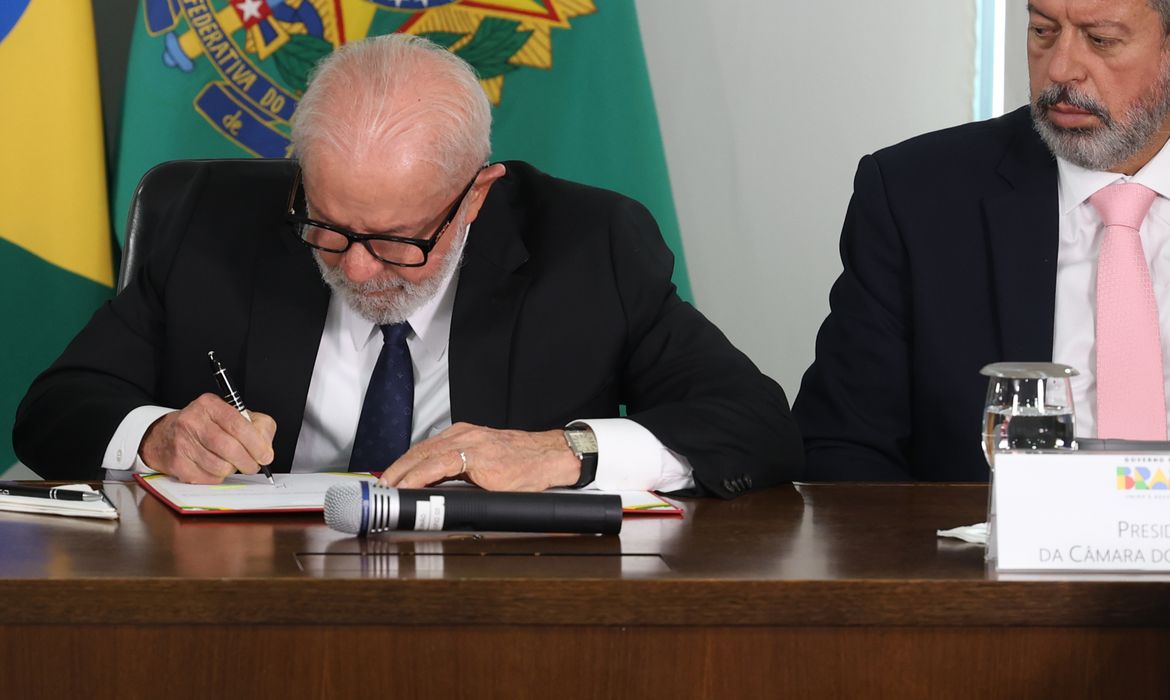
{"x": 564, "y": 310}
{"x": 949, "y": 250}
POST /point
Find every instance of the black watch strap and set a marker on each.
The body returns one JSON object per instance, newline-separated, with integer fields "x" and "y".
{"x": 588, "y": 470}
{"x": 584, "y": 445}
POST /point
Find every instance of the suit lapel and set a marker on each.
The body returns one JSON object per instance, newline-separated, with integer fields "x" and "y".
{"x": 1023, "y": 238}
{"x": 487, "y": 304}
{"x": 287, "y": 318}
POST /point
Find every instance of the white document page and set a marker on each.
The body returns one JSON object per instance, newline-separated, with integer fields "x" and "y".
{"x": 253, "y": 492}
{"x": 307, "y": 491}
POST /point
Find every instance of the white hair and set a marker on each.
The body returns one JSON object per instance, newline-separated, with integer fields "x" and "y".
{"x": 370, "y": 94}
{"x": 1163, "y": 8}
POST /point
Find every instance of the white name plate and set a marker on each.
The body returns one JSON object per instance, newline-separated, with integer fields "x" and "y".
{"x": 1082, "y": 511}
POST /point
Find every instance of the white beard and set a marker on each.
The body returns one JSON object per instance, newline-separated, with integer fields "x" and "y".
{"x": 408, "y": 297}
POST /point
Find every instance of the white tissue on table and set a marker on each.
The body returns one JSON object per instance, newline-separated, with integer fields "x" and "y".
{"x": 975, "y": 534}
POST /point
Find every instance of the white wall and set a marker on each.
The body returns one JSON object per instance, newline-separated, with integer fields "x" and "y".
{"x": 765, "y": 109}
{"x": 1015, "y": 83}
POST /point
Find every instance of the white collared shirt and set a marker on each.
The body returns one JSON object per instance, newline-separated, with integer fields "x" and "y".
{"x": 1081, "y": 230}
{"x": 349, "y": 349}
{"x": 629, "y": 456}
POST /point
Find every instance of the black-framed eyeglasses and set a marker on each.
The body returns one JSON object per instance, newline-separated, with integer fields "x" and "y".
{"x": 393, "y": 250}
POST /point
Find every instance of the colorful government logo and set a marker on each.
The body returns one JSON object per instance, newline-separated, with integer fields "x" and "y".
{"x": 262, "y": 50}
{"x": 1141, "y": 479}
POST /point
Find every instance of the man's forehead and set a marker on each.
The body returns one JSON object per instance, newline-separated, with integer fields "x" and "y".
{"x": 388, "y": 169}
{"x": 392, "y": 195}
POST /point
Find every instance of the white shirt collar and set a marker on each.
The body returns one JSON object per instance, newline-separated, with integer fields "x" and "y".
{"x": 1077, "y": 184}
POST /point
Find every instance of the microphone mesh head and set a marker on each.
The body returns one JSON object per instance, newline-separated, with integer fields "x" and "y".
{"x": 343, "y": 507}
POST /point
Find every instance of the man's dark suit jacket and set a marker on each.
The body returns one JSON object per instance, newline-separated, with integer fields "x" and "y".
{"x": 949, "y": 250}
{"x": 564, "y": 310}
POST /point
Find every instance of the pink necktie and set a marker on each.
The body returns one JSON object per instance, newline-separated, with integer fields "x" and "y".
{"x": 1131, "y": 399}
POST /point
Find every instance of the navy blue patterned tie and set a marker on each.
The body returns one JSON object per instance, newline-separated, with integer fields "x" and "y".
{"x": 383, "y": 431}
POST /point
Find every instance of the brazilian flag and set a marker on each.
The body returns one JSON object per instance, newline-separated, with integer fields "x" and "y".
{"x": 221, "y": 78}
{"x": 55, "y": 248}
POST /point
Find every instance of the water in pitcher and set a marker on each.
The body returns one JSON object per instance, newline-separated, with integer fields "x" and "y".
{"x": 1027, "y": 428}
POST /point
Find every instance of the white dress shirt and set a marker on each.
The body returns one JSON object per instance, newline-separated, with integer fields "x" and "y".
{"x": 1081, "y": 230}
{"x": 629, "y": 456}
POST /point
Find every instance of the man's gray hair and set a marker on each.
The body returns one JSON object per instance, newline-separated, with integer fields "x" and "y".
{"x": 1162, "y": 7}
{"x": 359, "y": 98}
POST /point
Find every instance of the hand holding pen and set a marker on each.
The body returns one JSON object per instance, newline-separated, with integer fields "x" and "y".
{"x": 208, "y": 440}
{"x": 232, "y": 396}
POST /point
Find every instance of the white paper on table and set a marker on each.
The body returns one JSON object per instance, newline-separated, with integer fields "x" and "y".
{"x": 243, "y": 492}
{"x": 253, "y": 492}
{"x": 975, "y": 534}
{"x": 48, "y": 506}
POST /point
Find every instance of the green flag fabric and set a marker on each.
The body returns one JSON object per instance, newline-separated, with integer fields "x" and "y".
{"x": 567, "y": 78}
{"x": 55, "y": 249}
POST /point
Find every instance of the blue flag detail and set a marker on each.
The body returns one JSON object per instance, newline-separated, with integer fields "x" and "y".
{"x": 10, "y": 12}
{"x": 232, "y": 117}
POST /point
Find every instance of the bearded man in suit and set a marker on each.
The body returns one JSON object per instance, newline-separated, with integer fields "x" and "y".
{"x": 980, "y": 244}
{"x": 481, "y": 321}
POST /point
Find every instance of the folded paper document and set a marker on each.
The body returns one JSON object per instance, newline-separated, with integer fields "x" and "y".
{"x": 305, "y": 493}
{"x": 100, "y": 508}
{"x": 243, "y": 493}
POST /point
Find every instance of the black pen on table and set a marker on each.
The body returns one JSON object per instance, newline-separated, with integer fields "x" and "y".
{"x": 233, "y": 397}
{"x": 56, "y": 493}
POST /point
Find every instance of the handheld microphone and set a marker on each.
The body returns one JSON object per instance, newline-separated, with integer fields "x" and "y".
{"x": 362, "y": 508}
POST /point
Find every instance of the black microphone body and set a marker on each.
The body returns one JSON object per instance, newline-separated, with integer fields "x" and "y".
{"x": 364, "y": 508}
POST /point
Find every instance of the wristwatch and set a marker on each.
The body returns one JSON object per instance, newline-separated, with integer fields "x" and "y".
{"x": 583, "y": 443}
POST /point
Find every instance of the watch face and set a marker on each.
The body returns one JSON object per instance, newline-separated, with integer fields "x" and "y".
{"x": 582, "y": 440}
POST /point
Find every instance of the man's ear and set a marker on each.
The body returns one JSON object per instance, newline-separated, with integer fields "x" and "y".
{"x": 483, "y": 184}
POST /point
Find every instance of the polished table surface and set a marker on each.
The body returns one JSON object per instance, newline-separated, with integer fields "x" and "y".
{"x": 792, "y": 562}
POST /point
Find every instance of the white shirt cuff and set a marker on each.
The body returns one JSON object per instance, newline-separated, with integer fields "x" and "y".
{"x": 630, "y": 458}
{"x": 121, "y": 458}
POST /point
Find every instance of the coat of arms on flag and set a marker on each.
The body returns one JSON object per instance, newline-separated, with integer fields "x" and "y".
{"x": 567, "y": 80}
{"x": 263, "y": 50}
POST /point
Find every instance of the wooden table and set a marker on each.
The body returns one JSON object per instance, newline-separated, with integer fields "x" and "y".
{"x": 812, "y": 591}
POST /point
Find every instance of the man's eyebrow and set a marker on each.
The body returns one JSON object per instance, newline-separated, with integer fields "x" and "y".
{"x": 398, "y": 230}
{"x": 1097, "y": 24}
{"x": 1033, "y": 11}
{"x": 1109, "y": 24}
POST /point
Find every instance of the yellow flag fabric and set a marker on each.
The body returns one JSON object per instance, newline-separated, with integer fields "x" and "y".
{"x": 53, "y": 183}
{"x": 55, "y": 245}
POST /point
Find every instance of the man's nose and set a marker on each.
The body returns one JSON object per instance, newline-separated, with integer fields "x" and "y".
{"x": 1066, "y": 64}
{"x": 359, "y": 265}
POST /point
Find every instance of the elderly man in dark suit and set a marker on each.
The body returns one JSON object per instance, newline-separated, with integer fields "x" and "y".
{"x": 478, "y": 321}
{"x": 981, "y": 244}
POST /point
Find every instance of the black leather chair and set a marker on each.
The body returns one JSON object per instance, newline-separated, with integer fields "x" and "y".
{"x": 156, "y": 193}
